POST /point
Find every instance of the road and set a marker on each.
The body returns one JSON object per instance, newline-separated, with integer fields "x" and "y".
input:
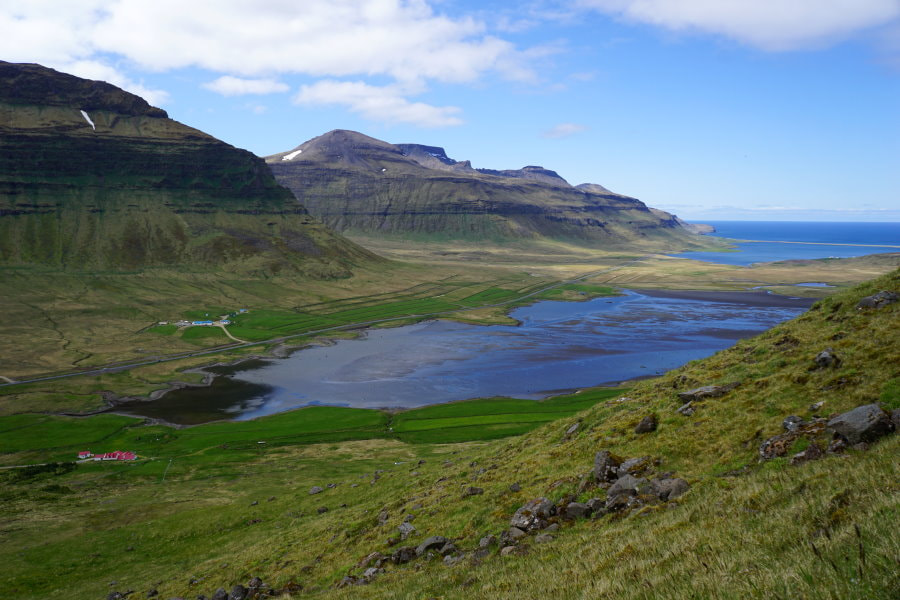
{"x": 117, "y": 367}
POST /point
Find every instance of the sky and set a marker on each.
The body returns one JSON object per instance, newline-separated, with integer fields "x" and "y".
{"x": 711, "y": 109}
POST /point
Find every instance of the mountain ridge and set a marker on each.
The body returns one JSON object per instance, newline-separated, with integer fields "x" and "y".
{"x": 93, "y": 177}
{"x": 361, "y": 185}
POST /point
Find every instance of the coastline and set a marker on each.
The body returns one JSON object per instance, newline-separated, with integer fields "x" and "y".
{"x": 745, "y": 299}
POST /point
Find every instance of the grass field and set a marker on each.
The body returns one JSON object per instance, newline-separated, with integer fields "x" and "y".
{"x": 210, "y": 506}
{"x": 37, "y": 438}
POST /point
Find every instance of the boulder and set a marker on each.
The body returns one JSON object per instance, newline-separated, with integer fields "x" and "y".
{"x": 511, "y": 536}
{"x": 686, "y": 409}
{"x": 383, "y": 517}
{"x": 862, "y": 424}
{"x": 403, "y": 555}
{"x": 515, "y": 487}
{"x": 669, "y": 488}
{"x": 255, "y": 584}
{"x": 572, "y": 430}
{"x": 627, "y": 484}
{"x": 371, "y": 573}
{"x": 322, "y": 510}
{"x": 220, "y": 594}
{"x": 606, "y": 466}
{"x": 707, "y": 391}
{"x": 238, "y": 592}
{"x": 792, "y": 423}
{"x": 882, "y": 298}
{"x": 617, "y": 502}
{"x": 487, "y": 541}
{"x": 431, "y": 543}
{"x": 405, "y": 529}
{"x": 316, "y": 490}
{"x": 472, "y": 491}
{"x": 596, "y": 505}
{"x": 551, "y": 528}
{"x": 450, "y": 560}
{"x": 826, "y": 359}
{"x": 543, "y": 538}
{"x": 576, "y": 510}
{"x": 635, "y": 466}
{"x": 507, "y": 550}
{"x": 646, "y": 425}
{"x": 532, "y": 515}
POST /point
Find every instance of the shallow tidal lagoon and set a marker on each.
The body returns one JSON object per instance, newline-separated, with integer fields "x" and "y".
{"x": 559, "y": 346}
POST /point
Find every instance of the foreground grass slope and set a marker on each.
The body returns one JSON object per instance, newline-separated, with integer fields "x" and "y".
{"x": 219, "y": 516}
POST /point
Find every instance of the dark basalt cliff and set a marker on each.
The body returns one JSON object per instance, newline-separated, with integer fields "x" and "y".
{"x": 360, "y": 185}
{"x": 94, "y": 178}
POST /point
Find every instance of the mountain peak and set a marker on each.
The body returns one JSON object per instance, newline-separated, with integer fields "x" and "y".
{"x": 340, "y": 146}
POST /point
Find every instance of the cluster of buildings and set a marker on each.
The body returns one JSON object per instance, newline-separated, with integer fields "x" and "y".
{"x": 115, "y": 455}
{"x": 205, "y": 323}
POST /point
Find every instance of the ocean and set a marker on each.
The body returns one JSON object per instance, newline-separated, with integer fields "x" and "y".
{"x": 819, "y": 240}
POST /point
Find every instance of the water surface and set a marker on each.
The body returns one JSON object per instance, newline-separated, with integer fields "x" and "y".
{"x": 558, "y": 346}
{"x": 821, "y": 240}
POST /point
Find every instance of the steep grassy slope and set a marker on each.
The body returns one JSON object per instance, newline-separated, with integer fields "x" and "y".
{"x": 207, "y": 517}
{"x": 94, "y": 178}
{"x": 363, "y": 186}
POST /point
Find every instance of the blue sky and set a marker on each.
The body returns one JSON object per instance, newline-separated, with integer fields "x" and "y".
{"x": 711, "y": 109}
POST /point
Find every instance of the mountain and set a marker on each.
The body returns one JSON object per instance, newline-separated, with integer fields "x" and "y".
{"x": 363, "y": 186}
{"x": 94, "y": 178}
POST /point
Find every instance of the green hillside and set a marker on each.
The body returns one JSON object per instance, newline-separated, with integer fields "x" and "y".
{"x": 94, "y": 178}
{"x": 304, "y": 500}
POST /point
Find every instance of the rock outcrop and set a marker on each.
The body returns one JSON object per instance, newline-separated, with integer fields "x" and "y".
{"x": 862, "y": 424}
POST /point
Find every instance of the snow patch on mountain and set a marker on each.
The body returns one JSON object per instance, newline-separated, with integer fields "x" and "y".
{"x": 88, "y": 119}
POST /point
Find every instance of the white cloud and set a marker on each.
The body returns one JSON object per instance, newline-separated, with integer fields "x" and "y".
{"x": 385, "y": 104}
{"x": 563, "y": 130}
{"x": 236, "y": 86}
{"x": 250, "y": 44}
{"x": 90, "y": 69}
{"x": 773, "y": 25}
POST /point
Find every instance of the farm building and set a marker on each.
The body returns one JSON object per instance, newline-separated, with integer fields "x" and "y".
{"x": 115, "y": 455}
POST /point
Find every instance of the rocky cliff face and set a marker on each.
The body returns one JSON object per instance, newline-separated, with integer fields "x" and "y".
{"x": 94, "y": 178}
{"x": 360, "y": 185}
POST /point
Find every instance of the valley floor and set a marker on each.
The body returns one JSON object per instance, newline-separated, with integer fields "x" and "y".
{"x": 301, "y": 504}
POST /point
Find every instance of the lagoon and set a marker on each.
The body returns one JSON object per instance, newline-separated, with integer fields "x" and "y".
{"x": 558, "y": 347}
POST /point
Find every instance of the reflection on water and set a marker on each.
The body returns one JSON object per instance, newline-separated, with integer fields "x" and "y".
{"x": 559, "y": 346}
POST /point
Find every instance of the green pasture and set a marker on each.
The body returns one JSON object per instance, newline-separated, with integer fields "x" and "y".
{"x": 37, "y": 438}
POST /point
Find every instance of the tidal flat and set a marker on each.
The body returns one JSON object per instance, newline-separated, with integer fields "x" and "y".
{"x": 557, "y": 347}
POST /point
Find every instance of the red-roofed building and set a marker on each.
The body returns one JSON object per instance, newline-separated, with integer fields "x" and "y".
{"x": 85, "y": 454}
{"x": 117, "y": 455}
